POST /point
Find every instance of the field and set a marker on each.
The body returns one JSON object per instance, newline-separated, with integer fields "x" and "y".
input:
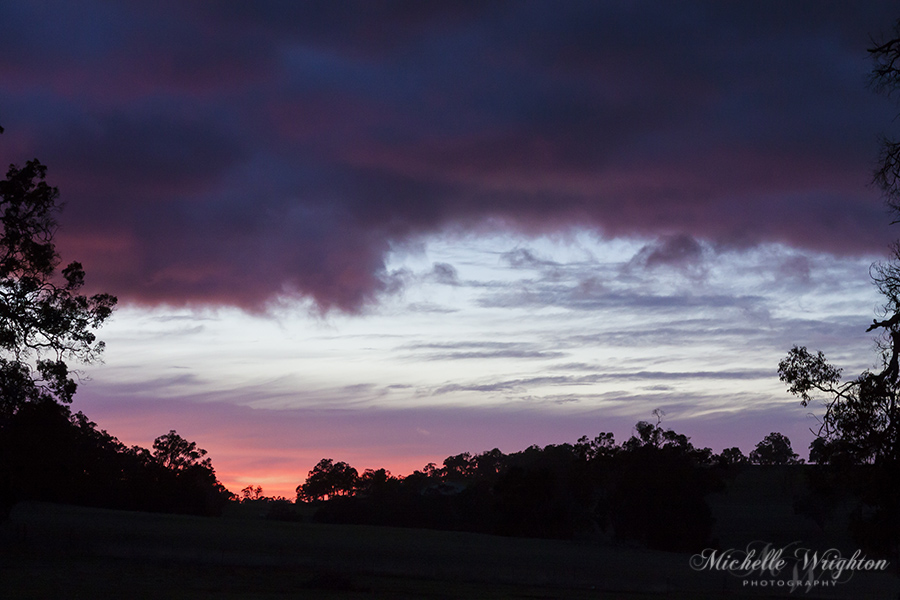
{"x": 53, "y": 551}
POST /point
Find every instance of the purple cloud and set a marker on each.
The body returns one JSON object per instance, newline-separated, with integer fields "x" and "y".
{"x": 241, "y": 154}
{"x": 680, "y": 251}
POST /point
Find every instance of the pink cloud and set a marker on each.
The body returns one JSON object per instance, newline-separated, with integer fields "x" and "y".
{"x": 249, "y": 152}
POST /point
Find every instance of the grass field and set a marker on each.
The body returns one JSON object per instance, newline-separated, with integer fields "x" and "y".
{"x": 60, "y": 552}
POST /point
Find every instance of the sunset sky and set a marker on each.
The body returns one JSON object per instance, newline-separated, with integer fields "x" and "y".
{"x": 387, "y": 232}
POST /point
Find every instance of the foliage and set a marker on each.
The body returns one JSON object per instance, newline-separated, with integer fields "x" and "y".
{"x": 861, "y": 421}
{"x": 44, "y": 321}
{"x": 732, "y": 456}
{"x": 858, "y": 442}
{"x": 651, "y": 490}
{"x": 328, "y": 479}
{"x": 659, "y": 495}
{"x": 774, "y": 449}
{"x": 174, "y": 452}
{"x": 250, "y": 493}
{"x": 49, "y": 454}
{"x": 374, "y": 482}
{"x": 649, "y": 435}
{"x": 886, "y": 79}
{"x": 602, "y": 446}
{"x": 46, "y": 452}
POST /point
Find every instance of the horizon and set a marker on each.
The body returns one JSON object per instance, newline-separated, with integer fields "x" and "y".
{"x": 387, "y": 234}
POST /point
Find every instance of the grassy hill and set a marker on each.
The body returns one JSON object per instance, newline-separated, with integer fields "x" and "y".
{"x": 55, "y": 551}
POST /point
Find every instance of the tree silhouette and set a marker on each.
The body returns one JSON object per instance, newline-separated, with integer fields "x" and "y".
{"x": 859, "y": 435}
{"x": 46, "y": 452}
{"x": 460, "y": 466}
{"x": 862, "y": 416}
{"x": 602, "y": 446}
{"x": 732, "y": 456}
{"x": 658, "y": 491}
{"x": 885, "y": 78}
{"x": 44, "y": 324}
{"x": 44, "y": 321}
{"x": 774, "y": 449}
{"x": 328, "y": 479}
{"x": 185, "y": 479}
{"x": 650, "y": 491}
{"x": 375, "y": 482}
{"x": 174, "y": 452}
{"x": 251, "y": 493}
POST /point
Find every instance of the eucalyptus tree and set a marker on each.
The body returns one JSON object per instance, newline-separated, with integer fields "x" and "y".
{"x": 861, "y": 420}
{"x": 45, "y": 322}
{"x": 860, "y": 424}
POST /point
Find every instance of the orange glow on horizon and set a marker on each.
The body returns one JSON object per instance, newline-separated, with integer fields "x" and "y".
{"x": 283, "y": 482}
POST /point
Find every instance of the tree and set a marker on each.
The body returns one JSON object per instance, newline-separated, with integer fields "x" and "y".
{"x": 859, "y": 435}
{"x": 328, "y": 479}
{"x": 649, "y": 435}
{"x": 861, "y": 422}
{"x": 44, "y": 321}
{"x": 881, "y": 389}
{"x": 602, "y": 446}
{"x": 860, "y": 419}
{"x": 374, "y": 482}
{"x": 774, "y": 449}
{"x": 185, "y": 479}
{"x": 458, "y": 467}
{"x": 173, "y": 452}
{"x": 251, "y": 493}
{"x": 657, "y": 496}
{"x": 731, "y": 456}
{"x": 885, "y": 78}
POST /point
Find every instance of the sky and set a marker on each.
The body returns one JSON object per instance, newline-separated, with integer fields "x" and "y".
{"x": 389, "y": 232}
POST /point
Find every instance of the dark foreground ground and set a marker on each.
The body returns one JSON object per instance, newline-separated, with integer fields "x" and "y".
{"x": 61, "y": 552}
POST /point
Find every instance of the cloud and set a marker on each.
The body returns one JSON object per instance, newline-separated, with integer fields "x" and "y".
{"x": 523, "y": 258}
{"x": 445, "y": 274}
{"x": 480, "y": 350}
{"x": 797, "y": 268}
{"x": 429, "y": 308}
{"x": 680, "y": 251}
{"x": 523, "y": 385}
{"x": 250, "y": 155}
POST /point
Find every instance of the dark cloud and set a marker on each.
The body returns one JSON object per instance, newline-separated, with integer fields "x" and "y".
{"x": 680, "y": 251}
{"x": 245, "y": 153}
{"x": 154, "y": 153}
{"x": 444, "y": 273}
{"x": 797, "y": 268}
{"x": 523, "y": 258}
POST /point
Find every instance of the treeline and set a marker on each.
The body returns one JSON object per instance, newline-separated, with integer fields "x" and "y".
{"x": 46, "y": 452}
{"x": 49, "y": 454}
{"x": 651, "y": 490}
